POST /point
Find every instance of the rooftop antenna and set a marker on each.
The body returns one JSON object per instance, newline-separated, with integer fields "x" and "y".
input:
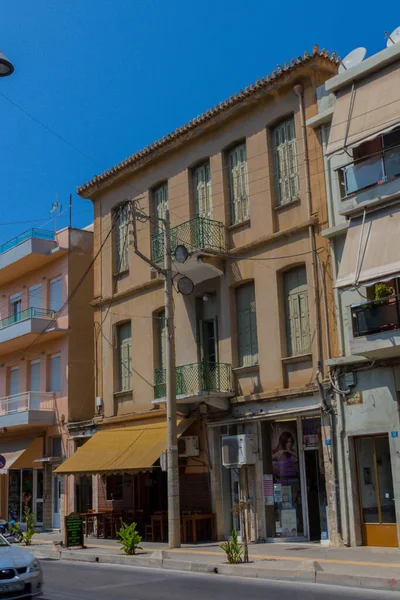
{"x": 55, "y": 210}
{"x": 393, "y": 38}
{"x": 352, "y": 59}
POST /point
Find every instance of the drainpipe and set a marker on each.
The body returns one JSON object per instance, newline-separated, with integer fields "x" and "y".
{"x": 298, "y": 90}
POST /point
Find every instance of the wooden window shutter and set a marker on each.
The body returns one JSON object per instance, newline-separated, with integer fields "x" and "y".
{"x": 125, "y": 356}
{"x": 122, "y": 242}
{"x": 297, "y": 313}
{"x": 202, "y": 191}
{"x": 160, "y": 199}
{"x": 239, "y": 185}
{"x": 247, "y": 325}
{"x": 285, "y": 158}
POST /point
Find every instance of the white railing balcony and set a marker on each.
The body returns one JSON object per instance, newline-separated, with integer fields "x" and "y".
{"x": 27, "y": 408}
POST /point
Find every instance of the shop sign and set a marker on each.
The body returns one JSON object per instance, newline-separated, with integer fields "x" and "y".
{"x": 74, "y": 531}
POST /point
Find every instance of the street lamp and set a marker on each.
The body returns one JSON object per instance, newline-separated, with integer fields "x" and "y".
{"x": 6, "y": 68}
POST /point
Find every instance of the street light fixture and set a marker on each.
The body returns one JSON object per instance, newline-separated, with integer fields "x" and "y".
{"x": 6, "y": 68}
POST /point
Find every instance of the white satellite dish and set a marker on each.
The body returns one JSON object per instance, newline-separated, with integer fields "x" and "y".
{"x": 352, "y": 59}
{"x": 393, "y": 38}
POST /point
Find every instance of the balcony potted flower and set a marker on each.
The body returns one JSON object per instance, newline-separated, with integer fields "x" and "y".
{"x": 385, "y": 305}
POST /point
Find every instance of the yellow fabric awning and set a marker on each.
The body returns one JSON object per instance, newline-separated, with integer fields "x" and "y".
{"x": 122, "y": 450}
{"x": 20, "y": 453}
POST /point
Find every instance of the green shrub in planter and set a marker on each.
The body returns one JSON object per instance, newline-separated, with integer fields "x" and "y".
{"x": 383, "y": 291}
{"x": 130, "y": 538}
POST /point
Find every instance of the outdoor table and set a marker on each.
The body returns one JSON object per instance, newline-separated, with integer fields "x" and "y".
{"x": 192, "y": 521}
{"x": 100, "y": 517}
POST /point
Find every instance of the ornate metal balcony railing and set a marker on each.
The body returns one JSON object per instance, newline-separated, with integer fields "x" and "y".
{"x": 196, "y": 378}
{"x": 197, "y": 234}
{"x": 41, "y": 234}
{"x": 29, "y": 313}
{"x": 26, "y": 401}
{"x": 376, "y": 316}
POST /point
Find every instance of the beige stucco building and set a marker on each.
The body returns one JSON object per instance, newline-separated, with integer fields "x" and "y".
{"x": 46, "y": 358}
{"x": 244, "y": 184}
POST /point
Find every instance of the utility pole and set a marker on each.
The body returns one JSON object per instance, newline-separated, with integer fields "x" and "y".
{"x": 174, "y": 519}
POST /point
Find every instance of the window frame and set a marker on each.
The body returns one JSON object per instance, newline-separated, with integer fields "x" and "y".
{"x": 253, "y": 355}
{"x": 294, "y": 299}
{"x": 206, "y": 187}
{"x": 56, "y": 355}
{"x": 239, "y": 203}
{"x": 161, "y": 187}
{"x": 121, "y": 388}
{"x": 121, "y": 247}
{"x": 290, "y": 177}
{"x": 52, "y": 281}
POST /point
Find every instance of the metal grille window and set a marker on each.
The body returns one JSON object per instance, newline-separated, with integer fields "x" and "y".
{"x": 285, "y": 158}
{"x": 160, "y": 199}
{"x": 202, "y": 191}
{"x": 246, "y": 325}
{"x": 296, "y": 310}
{"x": 238, "y": 184}
{"x": 124, "y": 336}
{"x": 122, "y": 240}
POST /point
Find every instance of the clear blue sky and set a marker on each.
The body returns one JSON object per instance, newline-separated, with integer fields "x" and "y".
{"x": 112, "y": 76}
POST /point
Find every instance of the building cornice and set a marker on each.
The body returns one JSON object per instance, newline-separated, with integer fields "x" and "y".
{"x": 279, "y": 77}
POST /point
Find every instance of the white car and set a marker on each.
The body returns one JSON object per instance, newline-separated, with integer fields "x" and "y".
{"x": 20, "y": 572}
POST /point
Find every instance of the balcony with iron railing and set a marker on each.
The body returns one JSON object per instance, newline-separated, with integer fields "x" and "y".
{"x": 197, "y": 382}
{"x": 375, "y": 328}
{"x": 360, "y": 177}
{"x": 28, "y": 251}
{"x": 27, "y": 408}
{"x": 204, "y": 240}
{"x": 21, "y": 328}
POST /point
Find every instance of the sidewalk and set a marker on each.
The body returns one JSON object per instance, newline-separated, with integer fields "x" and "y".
{"x": 377, "y": 568}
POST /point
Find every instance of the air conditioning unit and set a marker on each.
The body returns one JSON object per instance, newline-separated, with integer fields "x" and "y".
{"x": 188, "y": 446}
{"x": 238, "y": 450}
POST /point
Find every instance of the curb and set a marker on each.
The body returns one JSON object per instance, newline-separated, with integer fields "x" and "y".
{"x": 310, "y": 573}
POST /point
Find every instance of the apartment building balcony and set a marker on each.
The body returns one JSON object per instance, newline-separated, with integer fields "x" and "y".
{"x": 27, "y": 408}
{"x": 26, "y": 252}
{"x": 370, "y": 179}
{"x": 375, "y": 328}
{"x": 204, "y": 240}
{"x": 19, "y": 330}
{"x": 205, "y": 381}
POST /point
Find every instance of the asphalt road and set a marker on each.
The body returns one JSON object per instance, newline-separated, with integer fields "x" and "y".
{"x": 83, "y": 581}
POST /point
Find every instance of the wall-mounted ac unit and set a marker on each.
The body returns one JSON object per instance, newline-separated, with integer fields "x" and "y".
{"x": 188, "y": 446}
{"x": 238, "y": 450}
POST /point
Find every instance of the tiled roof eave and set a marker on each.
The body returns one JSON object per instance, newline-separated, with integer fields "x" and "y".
{"x": 181, "y": 134}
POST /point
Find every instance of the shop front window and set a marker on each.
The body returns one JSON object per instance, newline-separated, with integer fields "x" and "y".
{"x": 282, "y": 487}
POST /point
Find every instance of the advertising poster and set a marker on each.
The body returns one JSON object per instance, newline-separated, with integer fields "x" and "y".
{"x": 285, "y": 461}
{"x": 269, "y": 490}
{"x": 289, "y": 523}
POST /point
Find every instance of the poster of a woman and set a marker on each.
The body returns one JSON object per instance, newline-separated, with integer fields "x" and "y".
{"x": 284, "y": 452}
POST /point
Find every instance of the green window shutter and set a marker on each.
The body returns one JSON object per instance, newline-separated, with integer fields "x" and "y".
{"x": 125, "y": 356}
{"x": 202, "y": 191}
{"x": 247, "y": 325}
{"x": 239, "y": 185}
{"x": 122, "y": 241}
{"x": 285, "y": 158}
{"x": 160, "y": 199}
{"x": 297, "y": 313}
